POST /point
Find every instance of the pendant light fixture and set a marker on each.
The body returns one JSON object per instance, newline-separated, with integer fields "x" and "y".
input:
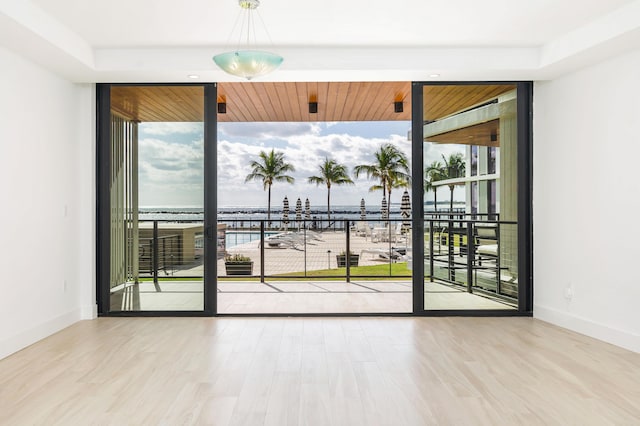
{"x": 248, "y": 63}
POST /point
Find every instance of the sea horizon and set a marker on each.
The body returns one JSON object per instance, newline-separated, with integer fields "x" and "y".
{"x": 338, "y": 212}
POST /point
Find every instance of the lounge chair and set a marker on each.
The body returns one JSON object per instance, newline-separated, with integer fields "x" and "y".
{"x": 286, "y": 240}
{"x": 486, "y": 242}
{"x": 362, "y": 229}
{"x": 385, "y": 254}
{"x": 388, "y": 235}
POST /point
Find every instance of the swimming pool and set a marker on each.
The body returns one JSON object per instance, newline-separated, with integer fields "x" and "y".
{"x": 234, "y": 238}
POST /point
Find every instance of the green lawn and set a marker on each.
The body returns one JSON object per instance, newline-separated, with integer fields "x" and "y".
{"x": 378, "y": 271}
{"x": 372, "y": 272}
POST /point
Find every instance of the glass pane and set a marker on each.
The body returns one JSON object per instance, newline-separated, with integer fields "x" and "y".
{"x": 314, "y": 250}
{"x": 474, "y": 160}
{"x": 157, "y": 196}
{"x": 470, "y": 172}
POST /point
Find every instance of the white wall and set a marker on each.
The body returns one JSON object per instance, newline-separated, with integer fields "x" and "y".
{"x": 47, "y": 277}
{"x": 586, "y": 201}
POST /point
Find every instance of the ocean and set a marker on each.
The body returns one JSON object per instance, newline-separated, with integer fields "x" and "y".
{"x": 237, "y": 213}
{"x": 242, "y": 221}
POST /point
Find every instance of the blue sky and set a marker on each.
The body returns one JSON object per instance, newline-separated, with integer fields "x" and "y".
{"x": 171, "y": 161}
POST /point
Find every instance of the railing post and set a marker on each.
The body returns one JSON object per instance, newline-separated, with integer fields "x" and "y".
{"x": 450, "y": 254}
{"x": 348, "y": 257}
{"x": 154, "y": 258}
{"x": 471, "y": 249}
{"x": 305, "y": 246}
{"x": 431, "y": 255}
{"x": 389, "y": 247}
{"x": 262, "y": 251}
{"x": 498, "y": 272}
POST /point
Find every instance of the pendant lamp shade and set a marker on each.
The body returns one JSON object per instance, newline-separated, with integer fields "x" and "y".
{"x": 248, "y": 62}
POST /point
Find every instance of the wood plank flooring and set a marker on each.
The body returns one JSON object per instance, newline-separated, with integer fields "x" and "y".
{"x": 291, "y": 297}
{"x": 319, "y": 371}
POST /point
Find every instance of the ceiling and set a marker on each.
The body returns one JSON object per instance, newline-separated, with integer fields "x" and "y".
{"x": 272, "y": 102}
{"x": 337, "y": 101}
{"x": 289, "y": 102}
{"x": 484, "y": 134}
{"x": 330, "y": 40}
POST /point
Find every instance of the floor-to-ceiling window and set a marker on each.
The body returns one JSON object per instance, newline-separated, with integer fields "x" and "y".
{"x": 476, "y": 199}
{"x": 468, "y": 246}
{"x": 288, "y": 227}
{"x": 152, "y": 176}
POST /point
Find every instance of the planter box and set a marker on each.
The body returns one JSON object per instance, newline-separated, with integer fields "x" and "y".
{"x": 239, "y": 268}
{"x": 341, "y": 260}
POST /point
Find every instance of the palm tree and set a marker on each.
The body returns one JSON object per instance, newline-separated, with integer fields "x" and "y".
{"x": 331, "y": 173}
{"x": 433, "y": 173}
{"x": 272, "y": 168}
{"x": 391, "y": 168}
{"x": 454, "y": 167}
{"x": 399, "y": 182}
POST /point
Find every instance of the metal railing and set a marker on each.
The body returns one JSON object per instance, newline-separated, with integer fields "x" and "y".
{"x": 298, "y": 249}
{"x": 473, "y": 254}
{"x": 170, "y": 248}
{"x": 478, "y": 255}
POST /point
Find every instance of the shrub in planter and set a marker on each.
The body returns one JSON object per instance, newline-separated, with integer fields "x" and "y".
{"x": 238, "y": 264}
{"x": 341, "y": 259}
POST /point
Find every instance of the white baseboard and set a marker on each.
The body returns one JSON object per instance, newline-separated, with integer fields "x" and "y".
{"x": 617, "y": 337}
{"x": 89, "y": 312}
{"x": 23, "y": 339}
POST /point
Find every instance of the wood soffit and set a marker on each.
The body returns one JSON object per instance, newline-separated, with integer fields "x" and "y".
{"x": 289, "y": 102}
{"x": 484, "y": 134}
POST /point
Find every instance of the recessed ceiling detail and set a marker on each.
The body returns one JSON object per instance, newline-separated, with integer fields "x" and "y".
{"x": 164, "y": 41}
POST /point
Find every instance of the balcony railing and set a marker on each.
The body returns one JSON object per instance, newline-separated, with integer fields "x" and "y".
{"x": 480, "y": 256}
{"x": 461, "y": 250}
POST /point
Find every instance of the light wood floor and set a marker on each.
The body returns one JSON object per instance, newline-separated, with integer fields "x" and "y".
{"x": 319, "y": 371}
{"x": 288, "y": 297}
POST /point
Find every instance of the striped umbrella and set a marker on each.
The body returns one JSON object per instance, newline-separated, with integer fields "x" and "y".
{"x": 405, "y": 212}
{"x": 298, "y": 210}
{"x": 363, "y": 210}
{"x": 307, "y": 209}
{"x": 384, "y": 211}
{"x": 285, "y": 211}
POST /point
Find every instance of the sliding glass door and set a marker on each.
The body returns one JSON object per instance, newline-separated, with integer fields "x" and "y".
{"x": 474, "y": 145}
{"x": 153, "y": 242}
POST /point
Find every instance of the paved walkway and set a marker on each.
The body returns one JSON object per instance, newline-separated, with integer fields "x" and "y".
{"x": 319, "y": 252}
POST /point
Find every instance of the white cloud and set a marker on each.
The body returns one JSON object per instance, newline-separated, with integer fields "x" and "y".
{"x": 305, "y": 152}
{"x": 171, "y": 172}
{"x": 163, "y": 129}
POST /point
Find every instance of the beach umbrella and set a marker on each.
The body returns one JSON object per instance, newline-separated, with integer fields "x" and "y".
{"x": 363, "y": 210}
{"x": 405, "y": 212}
{"x": 298, "y": 210}
{"x": 307, "y": 209}
{"x": 384, "y": 211}
{"x": 285, "y": 211}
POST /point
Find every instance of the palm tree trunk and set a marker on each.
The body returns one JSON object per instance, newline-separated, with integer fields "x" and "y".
{"x": 329, "y": 205}
{"x": 435, "y": 200}
{"x": 269, "y": 207}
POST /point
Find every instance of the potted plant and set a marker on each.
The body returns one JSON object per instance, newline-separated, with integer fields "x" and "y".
{"x": 238, "y": 264}
{"x": 341, "y": 259}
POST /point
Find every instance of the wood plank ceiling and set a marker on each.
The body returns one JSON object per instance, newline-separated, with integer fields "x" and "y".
{"x": 444, "y": 100}
{"x": 258, "y": 102}
{"x": 484, "y": 134}
{"x": 337, "y": 101}
{"x": 159, "y": 103}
